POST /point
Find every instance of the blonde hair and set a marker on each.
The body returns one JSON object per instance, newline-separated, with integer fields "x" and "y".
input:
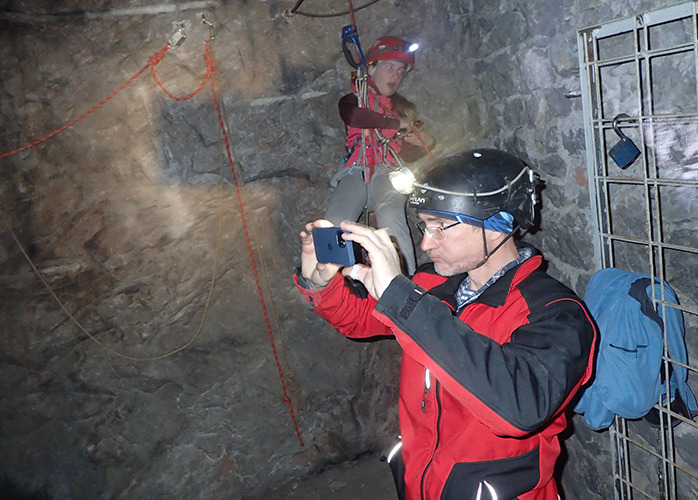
{"x": 403, "y": 107}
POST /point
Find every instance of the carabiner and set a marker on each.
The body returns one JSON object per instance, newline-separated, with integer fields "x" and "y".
{"x": 178, "y": 36}
{"x": 349, "y": 35}
{"x": 211, "y": 29}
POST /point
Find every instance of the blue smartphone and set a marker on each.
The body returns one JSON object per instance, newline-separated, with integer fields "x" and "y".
{"x": 331, "y": 248}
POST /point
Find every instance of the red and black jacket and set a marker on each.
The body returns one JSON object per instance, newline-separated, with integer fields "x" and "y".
{"x": 483, "y": 390}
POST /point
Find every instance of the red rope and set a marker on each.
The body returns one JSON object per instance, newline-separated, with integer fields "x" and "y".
{"x": 155, "y": 59}
{"x": 209, "y": 72}
{"x": 351, "y": 14}
{"x": 286, "y": 399}
{"x": 152, "y": 62}
{"x": 424, "y": 144}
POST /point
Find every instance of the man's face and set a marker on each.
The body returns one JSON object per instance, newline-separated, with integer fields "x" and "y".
{"x": 460, "y": 250}
{"x": 388, "y": 75}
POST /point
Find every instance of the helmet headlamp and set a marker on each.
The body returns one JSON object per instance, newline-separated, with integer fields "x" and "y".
{"x": 477, "y": 184}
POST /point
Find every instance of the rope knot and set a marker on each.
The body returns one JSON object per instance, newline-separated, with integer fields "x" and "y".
{"x": 157, "y": 57}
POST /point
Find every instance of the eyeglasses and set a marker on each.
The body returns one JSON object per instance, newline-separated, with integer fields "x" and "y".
{"x": 436, "y": 233}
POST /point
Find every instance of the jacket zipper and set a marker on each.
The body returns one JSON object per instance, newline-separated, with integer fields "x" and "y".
{"x": 438, "y": 436}
{"x": 427, "y": 386}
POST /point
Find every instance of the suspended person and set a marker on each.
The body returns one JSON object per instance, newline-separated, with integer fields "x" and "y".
{"x": 494, "y": 349}
{"x": 362, "y": 182}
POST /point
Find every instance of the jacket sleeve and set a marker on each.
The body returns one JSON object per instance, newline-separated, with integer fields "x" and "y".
{"x": 354, "y": 116}
{"x": 515, "y": 387}
{"x": 349, "y": 309}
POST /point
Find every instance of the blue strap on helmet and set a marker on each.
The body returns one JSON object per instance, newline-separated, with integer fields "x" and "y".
{"x": 502, "y": 222}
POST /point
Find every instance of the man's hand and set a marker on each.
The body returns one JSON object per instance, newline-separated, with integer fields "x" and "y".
{"x": 385, "y": 262}
{"x": 316, "y": 274}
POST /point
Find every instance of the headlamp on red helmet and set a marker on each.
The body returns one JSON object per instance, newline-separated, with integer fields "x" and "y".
{"x": 392, "y": 48}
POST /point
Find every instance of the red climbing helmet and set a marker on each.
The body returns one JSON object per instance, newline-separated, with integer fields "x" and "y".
{"x": 392, "y": 47}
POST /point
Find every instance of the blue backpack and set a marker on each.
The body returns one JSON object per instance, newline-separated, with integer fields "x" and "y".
{"x": 629, "y": 378}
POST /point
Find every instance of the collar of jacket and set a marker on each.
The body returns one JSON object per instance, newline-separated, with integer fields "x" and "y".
{"x": 496, "y": 294}
{"x": 445, "y": 288}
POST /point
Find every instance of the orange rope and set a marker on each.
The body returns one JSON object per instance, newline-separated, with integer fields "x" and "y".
{"x": 286, "y": 398}
{"x": 155, "y": 59}
{"x": 424, "y": 144}
{"x": 351, "y": 14}
{"x": 209, "y": 72}
{"x": 210, "y": 68}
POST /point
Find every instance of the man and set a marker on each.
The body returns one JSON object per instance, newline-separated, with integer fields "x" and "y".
{"x": 371, "y": 117}
{"x": 494, "y": 349}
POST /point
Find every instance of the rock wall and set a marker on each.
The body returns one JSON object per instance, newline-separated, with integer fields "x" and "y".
{"x": 138, "y": 362}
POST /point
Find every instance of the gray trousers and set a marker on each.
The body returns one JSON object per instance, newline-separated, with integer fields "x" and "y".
{"x": 352, "y": 196}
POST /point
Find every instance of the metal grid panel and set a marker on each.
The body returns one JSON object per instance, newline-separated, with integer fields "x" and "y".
{"x": 646, "y": 66}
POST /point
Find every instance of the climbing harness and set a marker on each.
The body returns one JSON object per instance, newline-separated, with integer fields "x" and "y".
{"x": 383, "y": 152}
{"x": 174, "y": 41}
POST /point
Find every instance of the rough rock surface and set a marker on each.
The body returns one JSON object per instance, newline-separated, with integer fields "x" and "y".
{"x": 132, "y": 219}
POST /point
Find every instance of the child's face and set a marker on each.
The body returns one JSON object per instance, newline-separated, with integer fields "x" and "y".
{"x": 388, "y": 75}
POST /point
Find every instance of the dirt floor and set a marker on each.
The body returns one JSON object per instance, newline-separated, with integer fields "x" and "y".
{"x": 366, "y": 478}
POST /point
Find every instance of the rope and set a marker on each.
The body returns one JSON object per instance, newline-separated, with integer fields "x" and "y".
{"x": 351, "y": 14}
{"x": 286, "y": 398}
{"x": 295, "y": 7}
{"x": 424, "y": 144}
{"x": 209, "y": 72}
{"x": 154, "y": 60}
{"x": 209, "y": 76}
{"x": 334, "y": 14}
{"x": 79, "y": 325}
